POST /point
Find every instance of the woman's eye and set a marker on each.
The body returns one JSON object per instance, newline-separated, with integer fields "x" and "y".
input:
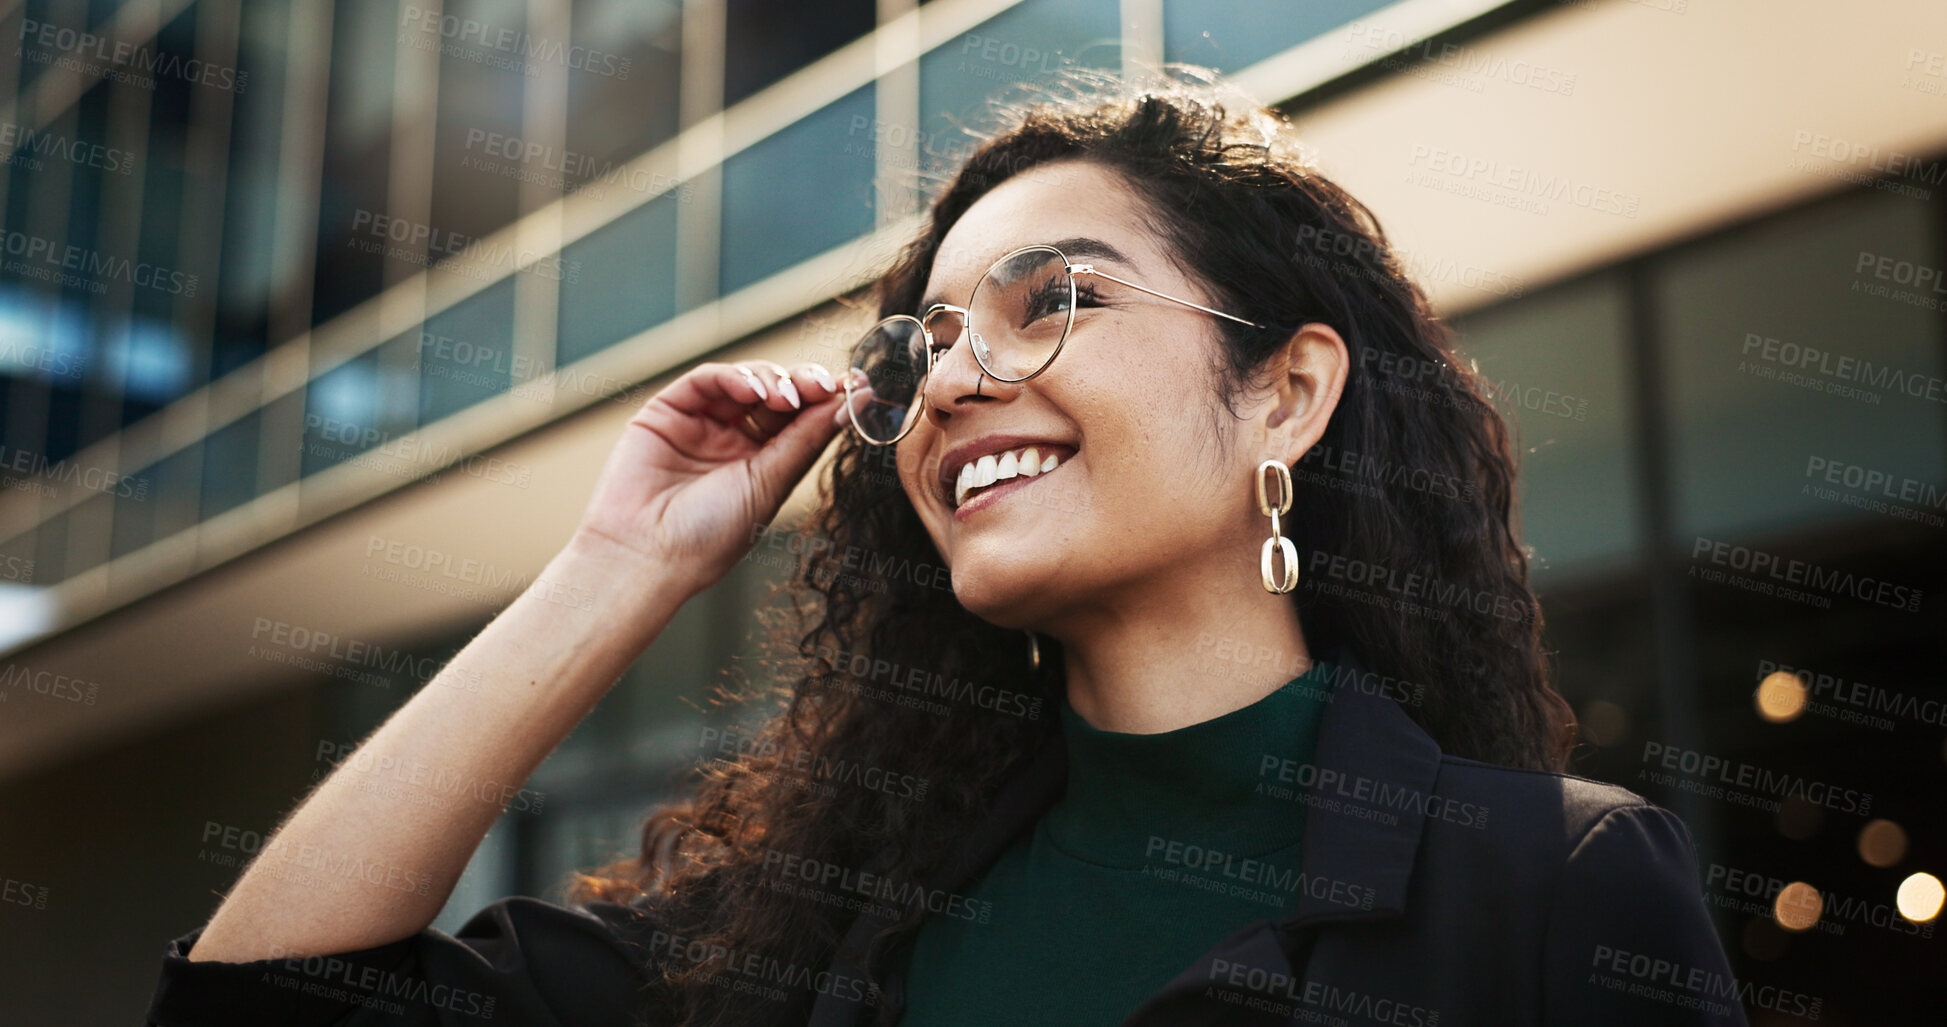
{"x": 1050, "y": 298}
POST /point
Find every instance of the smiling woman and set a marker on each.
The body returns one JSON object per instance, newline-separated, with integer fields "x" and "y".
{"x": 1131, "y": 313}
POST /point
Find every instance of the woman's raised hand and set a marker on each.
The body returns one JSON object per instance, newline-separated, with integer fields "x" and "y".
{"x": 699, "y": 465}
{"x": 707, "y": 461}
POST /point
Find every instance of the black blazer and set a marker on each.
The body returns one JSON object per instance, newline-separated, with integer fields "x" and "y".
{"x": 1437, "y": 891}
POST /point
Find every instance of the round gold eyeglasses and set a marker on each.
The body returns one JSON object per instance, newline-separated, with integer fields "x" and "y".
{"x": 1017, "y": 320}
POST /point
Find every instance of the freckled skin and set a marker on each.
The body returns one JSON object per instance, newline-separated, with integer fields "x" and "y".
{"x": 1151, "y": 529}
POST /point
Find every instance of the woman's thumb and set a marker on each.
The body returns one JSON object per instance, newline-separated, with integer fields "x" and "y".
{"x": 780, "y": 463}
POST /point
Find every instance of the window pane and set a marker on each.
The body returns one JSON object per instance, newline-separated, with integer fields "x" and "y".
{"x": 481, "y": 78}
{"x": 160, "y": 500}
{"x": 357, "y": 155}
{"x": 626, "y": 281}
{"x": 62, "y": 424}
{"x": 362, "y": 405}
{"x": 167, "y": 182}
{"x": 1791, "y": 380}
{"x": 50, "y": 555}
{"x": 765, "y": 40}
{"x": 467, "y": 352}
{"x": 796, "y": 194}
{"x": 284, "y": 435}
{"x": 622, "y": 97}
{"x": 1230, "y": 35}
{"x": 1031, "y": 42}
{"x": 251, "y": 243}
{"x": 1556, "y": 365}
{"x": 230, "y": 464}
{"x": 148, "y": 361}
{"x": 341, "y": 413}
{"x": 135, "y": 507}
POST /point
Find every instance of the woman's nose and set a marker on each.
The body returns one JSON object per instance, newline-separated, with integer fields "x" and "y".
{"x": 957, "y": 380}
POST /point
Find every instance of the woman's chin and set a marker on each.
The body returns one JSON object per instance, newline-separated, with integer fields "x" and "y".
{"x": 1008, "y": 596}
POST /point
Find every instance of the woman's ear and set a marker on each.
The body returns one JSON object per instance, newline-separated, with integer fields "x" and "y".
{"x": 1308, "y": 375}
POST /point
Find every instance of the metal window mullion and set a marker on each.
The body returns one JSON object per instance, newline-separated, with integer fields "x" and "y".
{"x": 199, "y": 238}
{"x": 10, "y": 69}
{"x": 48, "y": 218}
{"x": 90, "y": 536}
{"x": 1673, "y": 626}
{"x": 300, "y": 167}
{"x": 1142, "y": 37}
{"x": 409, "y": 198}
{"x": 699, "y": 153}
{"x": 895, "y": 98}
{"x": 544, "y": 120}
{"x": 15, "y": 387}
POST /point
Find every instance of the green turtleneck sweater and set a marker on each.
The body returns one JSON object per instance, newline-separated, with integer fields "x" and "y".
{"x": 1160, "y": 846}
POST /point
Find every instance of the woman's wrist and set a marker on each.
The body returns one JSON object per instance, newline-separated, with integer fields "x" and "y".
{"x": 617, "y": 584}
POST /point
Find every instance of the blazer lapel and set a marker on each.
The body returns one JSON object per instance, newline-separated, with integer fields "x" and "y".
{"x": 1370, "y": 756}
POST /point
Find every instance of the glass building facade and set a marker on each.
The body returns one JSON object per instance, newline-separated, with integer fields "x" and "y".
{"x": 304, "y": 251}
{"x": 270, "y": 262}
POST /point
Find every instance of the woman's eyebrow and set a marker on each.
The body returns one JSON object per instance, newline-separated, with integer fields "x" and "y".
{"x": 1080, "y": 247}
{"x": 1087, "y": 246}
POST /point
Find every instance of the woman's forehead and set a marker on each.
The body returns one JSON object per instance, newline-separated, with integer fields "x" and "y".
{"x": 1082, "y": 208}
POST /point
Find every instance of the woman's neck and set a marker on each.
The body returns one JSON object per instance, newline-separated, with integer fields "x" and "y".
{"x": 1180, "y": 653}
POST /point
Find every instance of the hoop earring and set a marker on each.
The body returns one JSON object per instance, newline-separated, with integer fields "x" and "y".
{"x": 1270, "y": 508}
{"x": 1034, "y": 651}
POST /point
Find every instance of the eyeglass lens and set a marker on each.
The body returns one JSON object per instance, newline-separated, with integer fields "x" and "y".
{"x": 1019, "y": 314}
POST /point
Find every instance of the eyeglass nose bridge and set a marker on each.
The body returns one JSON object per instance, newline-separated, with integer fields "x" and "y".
{"x": 936, "y": 349}
{"x": 931, "y": 317}
{"x": 939, "y": 349}
{"x": 983, "y": 353}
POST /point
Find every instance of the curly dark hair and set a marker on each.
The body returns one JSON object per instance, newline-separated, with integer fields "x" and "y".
{"x": 1414, "y": 473}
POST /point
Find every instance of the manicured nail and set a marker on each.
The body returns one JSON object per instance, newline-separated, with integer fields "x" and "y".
{"x": 755, "y": 382}
{"x": 824, "y": 378}
{"x": 790, "y": 392}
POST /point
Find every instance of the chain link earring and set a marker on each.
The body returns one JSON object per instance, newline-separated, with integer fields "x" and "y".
{"x": 1034, "y": 651}
{"x": 1272, "y": 508}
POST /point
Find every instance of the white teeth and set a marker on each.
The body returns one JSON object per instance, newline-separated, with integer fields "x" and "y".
{"x": 989, "y": 469}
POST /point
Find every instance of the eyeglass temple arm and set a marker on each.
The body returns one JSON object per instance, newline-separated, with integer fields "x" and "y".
{"x": 1089, "y": 269}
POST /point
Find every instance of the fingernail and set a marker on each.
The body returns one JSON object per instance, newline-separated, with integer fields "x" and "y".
{"x": 824, "y": 378}
{"x": 755, "y": 382}
{"x": 1277, "y": 418}
{"x": 790, "y": 392}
